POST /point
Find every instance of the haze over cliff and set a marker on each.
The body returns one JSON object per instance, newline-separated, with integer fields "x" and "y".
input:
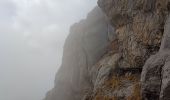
{"x": 32, "y": 35}
{"x": 119, "y": 52}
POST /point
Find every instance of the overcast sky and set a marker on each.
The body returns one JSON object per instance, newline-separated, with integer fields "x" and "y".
{"x": 32, "y": 34}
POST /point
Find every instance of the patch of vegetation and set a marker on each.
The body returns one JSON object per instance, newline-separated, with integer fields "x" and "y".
{"x": 136, "y": 95}
{"x": 116, "y": 81}
{"x": 99, "y": 97}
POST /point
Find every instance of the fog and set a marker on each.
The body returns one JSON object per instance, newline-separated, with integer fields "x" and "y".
{"x": 32, "y": 34}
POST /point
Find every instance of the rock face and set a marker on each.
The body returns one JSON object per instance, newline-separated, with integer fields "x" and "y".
{"x": 139, "y": 26}
{"x": 123, "y": 54}
{"x": 155, "y": 76}
{"x": 85, "y": 45}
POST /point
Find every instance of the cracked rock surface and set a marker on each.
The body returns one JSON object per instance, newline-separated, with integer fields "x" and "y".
{"x": 121, "y": 51}
{"x": 155, "y": 76}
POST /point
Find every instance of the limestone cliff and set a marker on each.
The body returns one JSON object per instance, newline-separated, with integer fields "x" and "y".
{"x": 140, "y": 26}
{"x": 85, "y": 45}
{"x": 121, "y": 51}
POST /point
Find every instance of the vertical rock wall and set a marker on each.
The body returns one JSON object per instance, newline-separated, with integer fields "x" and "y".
{"x": 120, "y": 55}
{"x": 85, "y": 45}
{"x": 142, "y": 28}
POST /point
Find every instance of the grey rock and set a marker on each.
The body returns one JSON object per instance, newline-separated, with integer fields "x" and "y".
{"x": 111, "y": 33}
{"x": 165, "y": 48}
{"x": 139, "y": 27}
{"x": 165, "y": 44}
{"x": 103, "y": 68}
{"x": 85, "y": 45}
{"x": 151, "y": 77}
{"x": 155, "y": 76}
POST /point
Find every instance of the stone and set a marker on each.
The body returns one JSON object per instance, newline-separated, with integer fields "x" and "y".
{"x": 85, "y": 45}
{"x": 104, "y": 54}
{"x": 155, "y": 75}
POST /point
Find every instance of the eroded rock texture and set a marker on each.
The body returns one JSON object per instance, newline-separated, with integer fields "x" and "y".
{"x": 139, "y": 26}
{"x": 155, "y": 76}
{"x": 123, "y": 54}
{"x": 86, "y": 43}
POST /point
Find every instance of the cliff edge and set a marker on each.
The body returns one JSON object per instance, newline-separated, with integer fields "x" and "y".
{"x": 85, "y": 45}
{"x": 121, "y": 51}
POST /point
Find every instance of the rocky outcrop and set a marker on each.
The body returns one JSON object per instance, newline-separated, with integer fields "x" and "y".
{"x": 139, "y": 26}
{"x": 85, "y": 45}
{"x": 120, "y": 55}
{"x": 155, "y": 76}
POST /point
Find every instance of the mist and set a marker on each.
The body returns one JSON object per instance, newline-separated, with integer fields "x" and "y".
{"x": 32, "y": 35}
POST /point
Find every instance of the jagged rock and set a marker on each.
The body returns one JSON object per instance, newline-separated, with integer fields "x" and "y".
{"x": 85, "y": 45}
{"x": 103, "y": 70}
{"x": 151, "y": 77}
{"x": 139, "y": 27}
{"x": 108, "y": 84}
{"x": 155, "y": 76}
{"x": 127, "y": 36}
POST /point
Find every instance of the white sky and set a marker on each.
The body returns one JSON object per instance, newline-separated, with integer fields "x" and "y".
{"x": 32, "y": 34}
